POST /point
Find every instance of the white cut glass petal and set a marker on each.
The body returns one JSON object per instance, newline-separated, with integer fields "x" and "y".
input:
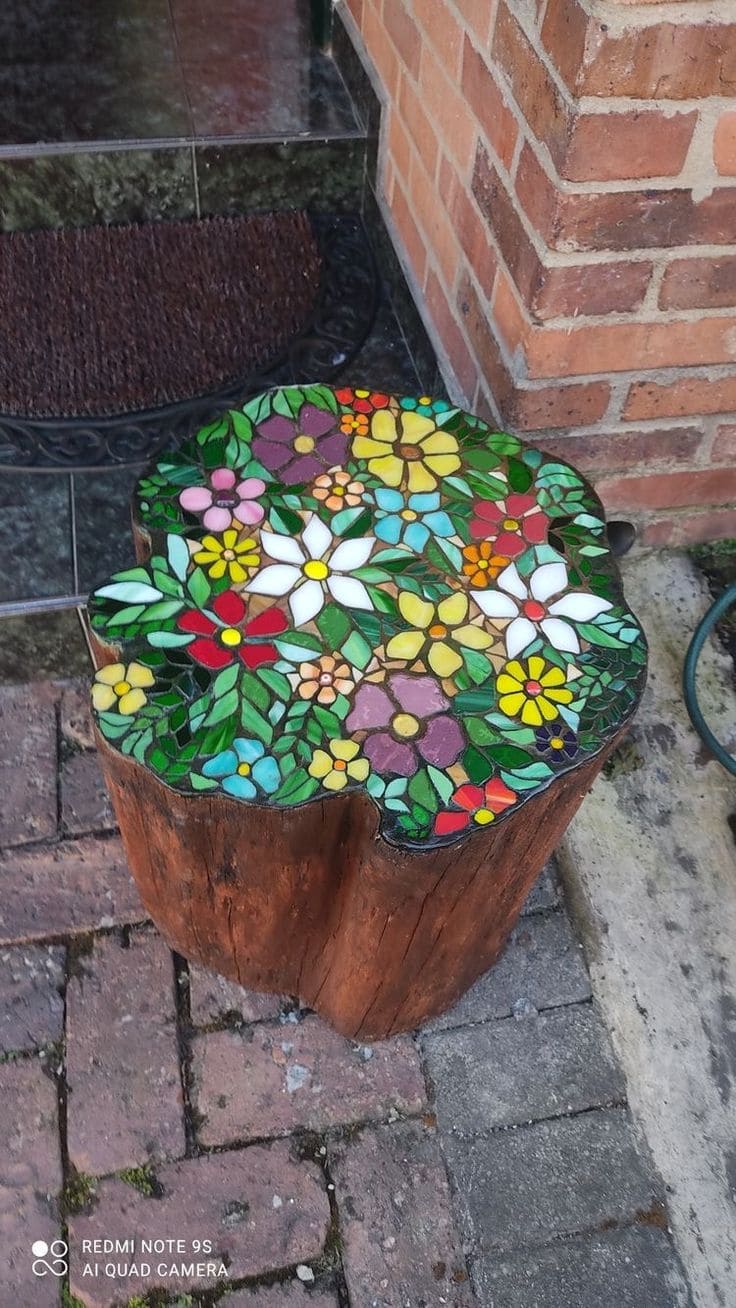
{"x": 351, "y": 554}
{"x": 494, "y": 604}
{"x": 509, "y": 580}
{"x": 283, "y": 548}
{"x": 350, "y": 592}
{"x": 548, "y": 580}
{"x": 579, "y": 606}
{"x": 561, "y": 635}
{"x": 317, "y": 537}
{"x": 130, "y": 592}
{"x": 306, "y": 601}
{"x": 519, "y": 633}
{"x": 274, "y": 580}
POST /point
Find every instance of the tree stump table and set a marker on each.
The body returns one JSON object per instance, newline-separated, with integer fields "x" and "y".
{"x": 372, "y": 658}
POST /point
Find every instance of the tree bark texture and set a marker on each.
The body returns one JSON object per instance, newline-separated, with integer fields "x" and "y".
{"x": 311, "y": 902}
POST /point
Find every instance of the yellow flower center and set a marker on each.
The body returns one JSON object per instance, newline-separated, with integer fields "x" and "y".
{"x": 483, "y": 564}
{"x": 121, "y": 687}
{"x": 483, "y": 817}
{"x": 410, "y": 452}
{"x": 437, "y": 631}
{"x": 316, "y": 570}
{"x": 231, "y": 636}
{"x": 243, "y": 769}
{"x": 408, "y": 515}
{"x": 425, "y": 399}
{"x": 338, "y": 490}
{"x": 362, "y": 395}
{"x": 228, "y": 554}
{"x": 557, "y": 742}
{"x": 340, "y": 765}
{"x": 304, "y": 444}
{"x": 511, "y": 524}
{"x": 405, "y": 724}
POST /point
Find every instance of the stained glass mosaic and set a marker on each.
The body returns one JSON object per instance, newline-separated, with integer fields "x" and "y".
{"x": 354, "y": 590}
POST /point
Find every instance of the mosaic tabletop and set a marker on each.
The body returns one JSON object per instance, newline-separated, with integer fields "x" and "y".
{"x": 353, "y": 590}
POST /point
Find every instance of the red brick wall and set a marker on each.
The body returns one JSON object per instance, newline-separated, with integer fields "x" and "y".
{"x": 560, "y": 179}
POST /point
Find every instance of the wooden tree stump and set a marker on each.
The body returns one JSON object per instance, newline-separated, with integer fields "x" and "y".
{"x": 372, "y": 658}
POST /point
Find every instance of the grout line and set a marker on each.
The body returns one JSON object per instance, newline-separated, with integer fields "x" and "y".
{"x": 675, "y": 11}
{"x": 52, "y": 149}
{"x": 335, "y": 1131}
{"x": 195, "y": 182}
{"x": 457, "y": 1224}
{"x": 73, "y": 530}
{"x": 68, "y": 938}
{"x": 43, "y": 842}
{"x": 62, "y": 1109}
{"x": 84, "y": 624}
{"x": 334, "y": 1238}
{"x": 180, "y": 968}
{"x": 553, "y": 1239}
{"x": 616, "y": 1104}
{"x": 502, "y": 1019}
{"x": 15, "y": 608}
{"x": 59, "y": 756}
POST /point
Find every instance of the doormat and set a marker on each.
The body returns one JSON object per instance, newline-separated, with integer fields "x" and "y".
{"x": 115, "y": 341}
{"x": 107, "y": 320}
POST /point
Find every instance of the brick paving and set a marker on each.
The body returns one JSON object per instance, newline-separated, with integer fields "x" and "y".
{"x": 276, "y": 1078}
{"x": 31, "y": 1181}
{"x": 31, "y": 985}
{"x": 85, "y": 805}
{"x": 122, "y": 1058}
{"x": 487, "y": 1161}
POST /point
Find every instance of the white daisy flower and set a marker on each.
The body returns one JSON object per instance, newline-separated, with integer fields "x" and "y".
{"x": 310, "y": 567}
{"x": 528, "y": 607}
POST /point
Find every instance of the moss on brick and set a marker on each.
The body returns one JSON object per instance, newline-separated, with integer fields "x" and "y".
{"x": 69, "y": 1300}
{"x": 78, "y": 1195}
{"x": 142, "y": 1179}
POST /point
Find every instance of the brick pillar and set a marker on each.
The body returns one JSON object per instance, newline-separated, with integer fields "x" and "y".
{"x": 559, "y": 177}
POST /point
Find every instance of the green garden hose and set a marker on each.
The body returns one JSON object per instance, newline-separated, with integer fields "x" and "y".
{"x": 702, "y": 631}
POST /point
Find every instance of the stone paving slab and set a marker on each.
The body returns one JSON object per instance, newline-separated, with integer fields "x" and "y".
{"x": 400, "y": 1245}
{"x": 275, "y": 1078}
{"x": 28, "y": 763}
{"x": 56, "y": 890}
{"x": 650, "y": 860}
{"x": 542, "y": 967}
{"x": 213, "y": 998}
{"x": 509, "y": 1072}
{"x": 124, "y": 1087}
{"x": 30, "y": 1181}
{"x": 85, "y": 804}
{"x": 632, "y": 1268}
{"x": 260, "y": 1208}
{"x": 31, "y": 1003}
{"x": 280, "y": 1296}
{"x": 527, "y": 1184}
